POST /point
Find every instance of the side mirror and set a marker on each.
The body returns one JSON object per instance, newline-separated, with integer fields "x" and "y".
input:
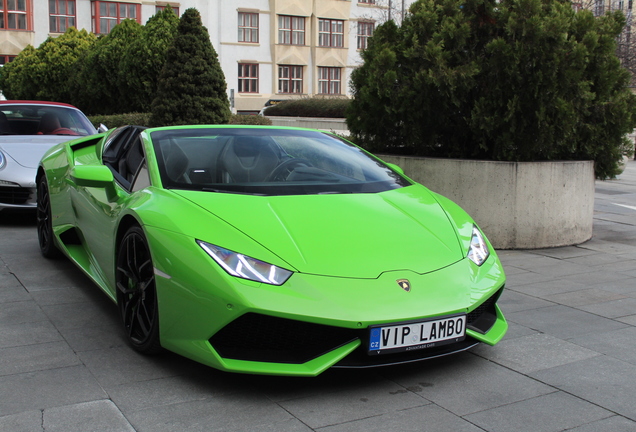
{"x": 95, "y": 176}
{"x": 102, "y": 128}
{"x": 395, "y": 168}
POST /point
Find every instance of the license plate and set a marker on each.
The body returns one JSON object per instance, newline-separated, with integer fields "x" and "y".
{"x": 416, "y": 335}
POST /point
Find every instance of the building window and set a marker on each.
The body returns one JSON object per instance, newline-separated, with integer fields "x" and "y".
{"x": 15, "y": 15}
{"x": 329, "y": 80}
{"x": 599, "y": 7}
{"x": 248, "y": 27}
{"x": 290, "y": 79}
{"x": 291, "y": 30}
{"x": 175, "y": 9}
{"x": 107, "y": 15}
{"x": 248, "y": 78}
{"x": 365, "y": 30}
{"x": 577, "y": 7}
{"x": 330, "y": 33}
{"x": 61, "y": 15}
{"x": 4, "y": 59}
{"x": 367, "y": 1}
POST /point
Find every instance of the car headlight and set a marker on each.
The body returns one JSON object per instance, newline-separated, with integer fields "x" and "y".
{"x": 3, "y": 160}
{"x": 478, "y": 251}
{"x": 245, "y": 267}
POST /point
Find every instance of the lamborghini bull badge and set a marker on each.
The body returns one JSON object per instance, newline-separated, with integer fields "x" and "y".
{"x": 404, "y": 284}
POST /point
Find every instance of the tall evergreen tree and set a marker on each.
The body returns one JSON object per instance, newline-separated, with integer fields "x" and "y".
{"x": 102, "y": 88}
{"x": 374, "y": 113}
{"x": 191, "y": 87}
{"x": 144, "y": 58}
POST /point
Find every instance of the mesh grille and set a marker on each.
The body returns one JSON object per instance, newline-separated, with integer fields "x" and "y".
{"x": 265, "y": 338}
{"x": 483, "y": 317}
{"x": 14, "y": 195}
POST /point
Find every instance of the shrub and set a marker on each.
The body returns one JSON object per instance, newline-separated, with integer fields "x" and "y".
{"x": 116, "y": 120}
{"x": 16, "y": 78}
{"x": 101, "y": 83}
{"x": 191, "y": 88}
{"x": 144, "y": 58}
{"x": 257, "y": 120}
{"x": 43, "y": 73}
{"x": 311, "y": 107}
{"x": 510, "y": 80}
{"x": 143, "y": 119}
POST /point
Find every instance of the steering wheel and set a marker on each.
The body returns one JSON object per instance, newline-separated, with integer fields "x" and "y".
{"x": 284, "y": 169}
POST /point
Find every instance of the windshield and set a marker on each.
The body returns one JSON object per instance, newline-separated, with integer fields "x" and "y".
{"x": 43, "y": 120}
{"x": 267, "y": 161}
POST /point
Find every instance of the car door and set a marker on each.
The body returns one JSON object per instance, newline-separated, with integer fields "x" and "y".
{"x": 98, "y": 213}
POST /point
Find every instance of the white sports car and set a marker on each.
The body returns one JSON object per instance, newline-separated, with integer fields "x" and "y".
{"x": 27, "y": 130}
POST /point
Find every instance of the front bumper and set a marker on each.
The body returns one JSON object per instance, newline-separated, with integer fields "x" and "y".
{"x": 263, "y": 338}
{"x": 287, "y": 356}
{"x": 16, "y": 197}
{"x": 17, "y": 187}
{"x": 312, "y": 323}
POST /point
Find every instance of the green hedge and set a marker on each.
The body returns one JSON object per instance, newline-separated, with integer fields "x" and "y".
{"x": 116, "y": 120}
{"x": 143, "y": 119}
{"x": 310, "y": 107}
{"x": 238, "y": 119}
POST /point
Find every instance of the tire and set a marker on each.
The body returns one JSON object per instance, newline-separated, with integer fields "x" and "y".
{"x": 44, "y": 222}
{"x": 137, "y": 293}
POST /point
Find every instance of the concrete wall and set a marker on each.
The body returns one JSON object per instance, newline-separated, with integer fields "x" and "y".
{"x": 519, "y": 205}
{"x": 327, "y": 124}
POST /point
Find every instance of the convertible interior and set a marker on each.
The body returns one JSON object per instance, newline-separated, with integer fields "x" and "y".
{"x": 248, "y": 161}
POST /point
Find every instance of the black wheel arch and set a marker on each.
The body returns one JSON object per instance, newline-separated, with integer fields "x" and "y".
{"x": 125, "y": 224}
{"x": 39, "y": 174}
{"x": 129, "y": 223}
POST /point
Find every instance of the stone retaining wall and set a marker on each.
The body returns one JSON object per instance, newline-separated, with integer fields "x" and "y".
{"x": 338, "y": 126}
{"x": 518, "y": 205}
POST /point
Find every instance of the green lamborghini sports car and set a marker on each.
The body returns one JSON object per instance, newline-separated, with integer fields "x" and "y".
{"x": 268, "y": 250}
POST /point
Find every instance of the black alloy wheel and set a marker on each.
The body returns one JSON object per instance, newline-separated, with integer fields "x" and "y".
{"x": 44, "y": 223}
{"x": 136, "y": 292}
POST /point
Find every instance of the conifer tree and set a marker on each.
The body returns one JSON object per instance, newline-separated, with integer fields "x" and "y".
{"x": 191, "y": 87}
{"x": 101, "y": 82}
{"x": 144, "y": 58}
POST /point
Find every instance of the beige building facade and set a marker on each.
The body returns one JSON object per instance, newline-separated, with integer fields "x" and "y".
{"x": 270, "y": 50}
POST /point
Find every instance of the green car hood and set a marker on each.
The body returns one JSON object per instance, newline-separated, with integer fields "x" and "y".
{"x": 343, "y": 235}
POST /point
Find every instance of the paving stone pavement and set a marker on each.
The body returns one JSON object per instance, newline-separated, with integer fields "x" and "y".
{"x": 568, "y": 361}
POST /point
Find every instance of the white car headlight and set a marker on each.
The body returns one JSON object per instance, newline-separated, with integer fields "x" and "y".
{"x": 3, "y": 160}
{"x": 245, "y": 267}
{"x": 478, "y": 250}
